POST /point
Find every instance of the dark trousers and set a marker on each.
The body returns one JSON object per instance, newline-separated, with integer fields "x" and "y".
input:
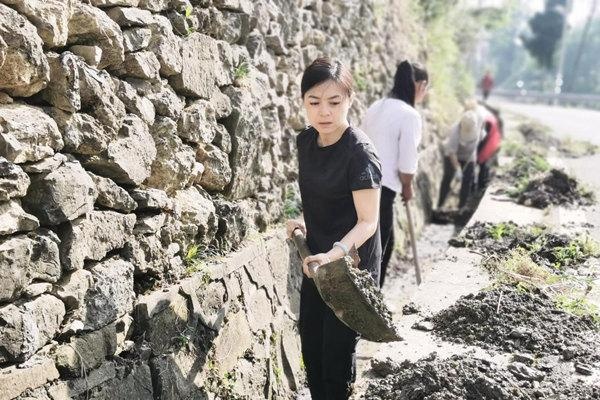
{"x": 467, "y": 183}
{"x": 328, "y": 347}
{"x": 386, "y": 226}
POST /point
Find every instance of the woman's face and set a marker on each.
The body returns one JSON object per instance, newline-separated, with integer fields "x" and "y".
{"x": 420, "y": 90}
{"x": 327, "y": 106}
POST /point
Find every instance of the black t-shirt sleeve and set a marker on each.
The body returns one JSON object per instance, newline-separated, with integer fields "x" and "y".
{"x": 364, "y": 171}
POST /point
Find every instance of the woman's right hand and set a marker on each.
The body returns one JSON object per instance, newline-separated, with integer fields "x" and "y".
{"x": 292, "y": 224}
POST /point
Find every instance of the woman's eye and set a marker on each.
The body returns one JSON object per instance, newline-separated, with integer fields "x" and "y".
{"x": 314, "y": 104}
{"x": 335, "y": 104}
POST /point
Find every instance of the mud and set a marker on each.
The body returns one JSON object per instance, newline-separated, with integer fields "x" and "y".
{"x": 554, "y": 188}
{"x": 356, "y": 300}
{"x": 510, "y": 320}
{"x": 467, "y": 378}
{"x": 543, "y": 246}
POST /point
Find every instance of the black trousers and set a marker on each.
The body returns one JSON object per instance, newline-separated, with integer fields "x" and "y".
{"x": 328, "y": 347}
{"x": 466, "y": 185}
{"x": 386, "y": 226}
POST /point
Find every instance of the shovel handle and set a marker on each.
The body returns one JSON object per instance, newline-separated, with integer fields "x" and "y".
{"x": 303, "y": 250}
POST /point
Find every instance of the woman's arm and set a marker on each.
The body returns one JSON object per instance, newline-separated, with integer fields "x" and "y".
{"x": 366, "y": 204}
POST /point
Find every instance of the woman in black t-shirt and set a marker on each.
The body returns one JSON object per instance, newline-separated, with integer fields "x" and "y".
{"x": 339, "y": 178}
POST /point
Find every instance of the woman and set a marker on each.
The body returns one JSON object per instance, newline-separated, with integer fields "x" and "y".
{"x": 394, "y": 126}
{"x": 339, "y": 177}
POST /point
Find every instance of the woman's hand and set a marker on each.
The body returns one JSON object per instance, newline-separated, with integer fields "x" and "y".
{"x": 292, "y": 224}
{"x": 320, "y": 259}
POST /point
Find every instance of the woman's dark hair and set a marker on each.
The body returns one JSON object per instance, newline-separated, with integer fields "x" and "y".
{"x": 406, "y": 76}
{"x": 324, "y": 69}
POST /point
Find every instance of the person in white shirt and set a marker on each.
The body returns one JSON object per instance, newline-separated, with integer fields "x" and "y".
{"x": 460, "y": 151}
{"x": 394, "y": 126}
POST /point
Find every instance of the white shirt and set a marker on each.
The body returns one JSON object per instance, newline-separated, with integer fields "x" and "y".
{"x": 395, "y": 129}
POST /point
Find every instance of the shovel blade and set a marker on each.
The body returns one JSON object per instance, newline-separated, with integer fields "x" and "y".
{"x": 354, "y": 306}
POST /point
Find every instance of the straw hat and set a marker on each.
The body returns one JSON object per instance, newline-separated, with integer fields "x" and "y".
{"x": 468, "y": 129}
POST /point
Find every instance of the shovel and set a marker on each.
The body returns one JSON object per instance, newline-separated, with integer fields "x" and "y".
{"x": 352, "y": 296}
{"x": 413, "y": 242}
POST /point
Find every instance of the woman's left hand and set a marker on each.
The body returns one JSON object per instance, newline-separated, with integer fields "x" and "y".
{"x": 320, "y": 259}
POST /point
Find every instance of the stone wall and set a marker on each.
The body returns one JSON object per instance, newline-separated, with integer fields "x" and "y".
{"x": 146, "y": 152}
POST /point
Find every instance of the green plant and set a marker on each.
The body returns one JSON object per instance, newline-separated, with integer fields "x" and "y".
{"x": 360, "y": 80}
{"x": 291, "y": 204}
{"x": 501, "y": 230}
{"x": 241, "y": 71}
{"x": 575, "y": 251}
{"x": 579, "y": 306}
{"x": 518, "y": 269}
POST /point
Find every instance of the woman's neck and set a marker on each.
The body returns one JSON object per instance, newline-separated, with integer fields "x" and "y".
{"x": 327, "y": 139}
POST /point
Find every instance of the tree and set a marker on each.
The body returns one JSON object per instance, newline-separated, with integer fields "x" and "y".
{"x": 547, "y": 29}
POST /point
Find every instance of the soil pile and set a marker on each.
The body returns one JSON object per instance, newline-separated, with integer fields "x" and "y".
{"x": 555, "y": 187}
{"x": 518, "y": 321}
{"x": 464, "y": 377}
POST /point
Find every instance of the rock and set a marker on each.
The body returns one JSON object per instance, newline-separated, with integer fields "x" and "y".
{"x": 128, "y": 17}
{"x": 93, "y": 236}
{"x": 152, "y": 199}
{"x": 259, "y": 310}
{"x": 243, "y": 6}
{"x": 24, "y": 70}
{"x": 234, "y": 222}
{"x": 245, "y": 120}
{"x": 166, "y": 45}
{"x": 149, "y": 224}
{"x": 15, "y": 380}
{"x": 27, "y": 326}
{"x": 111, "y": 3}
{"x": 140, "y": 106}
{"x": 91, "y": 54}
{"x": 63, "y": 89}
{"x": 91, "y": 25}
{"x": 161, "y": 318}
{"x": 198, "y": 122}
{"x": 202, "y": 68}
{"x": 61, "y": 195}
{"x": 584, "y": 369}
{"x": 154, "y": 5}
{"x": 46, "y": 165}
{"x": 410, "y": 308}
{"x": 217, "y": 172}
{"x": 129, "y": 157}
{"x": 141, "y": 64}
{"x": 166, "y": 102}
{"x": 222, "y": 139}
{"x": 132, "y": 382}
{"x": 86, "y": 352}
{"x": 525, "y": 373}
{"x": 525, "y": 358}
{"x": 72, "y": 287}
{"x": 27, "y": 133}
{"x": 13, "y": 181}
{"x": 76, "y": 387}
{"x": 150, "y": 257}
{"x": 14, "y": 219}
{"x": 135, "y": 39}
{"x": 172, "y": 371}
{"x": 98, "y": 95}
{"x": 385, "y": 367}
{"x": 27, "y": 258}
{"x": 36, "y": 289}
{"x": 209, "y": 299}
{"x": 50, "y": 17}
{"x": 233, "y": 340}
{"x": 426, "y": 326}
{"x": 173, "y": 167}
{"x": 111, "y": 295}
{"x": 196, "y": 217}
{"x": 82, "y": 133}
{"x": 111, "y": 195}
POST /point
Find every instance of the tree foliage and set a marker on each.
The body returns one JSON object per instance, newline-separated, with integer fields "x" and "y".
{"x": 546, "y": 33}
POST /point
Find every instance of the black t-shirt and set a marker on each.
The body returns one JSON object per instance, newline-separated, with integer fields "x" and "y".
{"x": 327, "y": 177}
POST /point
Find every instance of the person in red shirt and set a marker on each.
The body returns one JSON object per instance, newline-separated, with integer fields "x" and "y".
{"x": 486, "y": 84}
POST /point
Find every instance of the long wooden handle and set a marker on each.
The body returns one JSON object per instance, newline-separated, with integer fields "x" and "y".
{"x": 413, "y": 243}
{"x": 303, "y": 250}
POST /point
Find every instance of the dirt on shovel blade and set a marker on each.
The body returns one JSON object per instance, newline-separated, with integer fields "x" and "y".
{"x": 356, "y": 300}
{"x": 463, "y": 377}
{"x": 523, "y": 321}
{"x": 556, "y": 188}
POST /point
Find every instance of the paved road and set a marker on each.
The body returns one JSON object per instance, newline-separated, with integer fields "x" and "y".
{"x": 565, "y": 122}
